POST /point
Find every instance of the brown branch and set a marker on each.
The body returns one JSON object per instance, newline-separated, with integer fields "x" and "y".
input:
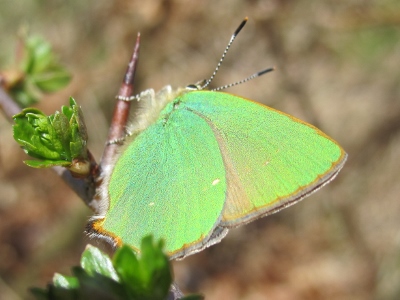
{"x": 85, "y": 187}
{"x": 121, "y": 110}
{"x": 8, "y": 105}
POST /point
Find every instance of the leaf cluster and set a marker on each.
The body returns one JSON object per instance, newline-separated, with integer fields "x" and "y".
{"x": 124, "y": 277}
{"x": 57, "y": 139}
{"x": 38, "y": 71}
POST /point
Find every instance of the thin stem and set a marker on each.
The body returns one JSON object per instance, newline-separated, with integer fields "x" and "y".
{"x": 84, "y": 188}
{"x": 121, "y": 110}
{"x": 8, "y": 105}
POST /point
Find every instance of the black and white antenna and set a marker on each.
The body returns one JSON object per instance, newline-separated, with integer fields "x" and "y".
{"x": 200, "y": 86}
{"x": 233, "y": 37}
{"x": 207, "y": 82}
{"x": 258, "y": 74}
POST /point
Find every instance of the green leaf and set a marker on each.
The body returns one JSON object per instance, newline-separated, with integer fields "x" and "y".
{"x": 125, "y": 277}
{"x": 98, "y": 286}
{"x": 38, "y": 56}
{"x": 23, "y": 98}
{"x": 62, "y": 130}
{"x": 40, "y": 164}
{"x": 78, "y": 128}
{"x": 51, "y": 80}
{"x": 66, "y": 282}
{"x": 94, "y": 261}
{"x": 40, "y": 72}
{"x": 126, "y": 264}
{"x": 59, "y": 139}
{"x": 154, "y": 266}
{"x": 150, "y": 274}
{"x": 33, "y": 131}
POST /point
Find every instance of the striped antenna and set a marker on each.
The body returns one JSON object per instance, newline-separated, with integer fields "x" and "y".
{"x": 224, "y": 54}
{"x": 258, "y": 74}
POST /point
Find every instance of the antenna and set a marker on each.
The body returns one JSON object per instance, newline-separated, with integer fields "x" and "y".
{"x": 225, "y": 52}
{"x": 258, "y": 74}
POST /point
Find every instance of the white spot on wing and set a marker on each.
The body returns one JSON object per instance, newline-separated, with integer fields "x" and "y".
{"x": 151, "y": 204}
{"x": 216, "y": 181}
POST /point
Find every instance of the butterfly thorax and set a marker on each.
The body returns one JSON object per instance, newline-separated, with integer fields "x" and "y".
{"x": 151, "y": 105}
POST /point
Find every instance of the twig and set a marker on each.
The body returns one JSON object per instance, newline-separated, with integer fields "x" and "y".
{"x": 8, "y": 105}
{"x": 83, "y": 188}
{"x": 121, "y": 110}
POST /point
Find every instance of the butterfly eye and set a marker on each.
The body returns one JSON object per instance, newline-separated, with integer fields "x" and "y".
{"x": 192, "y": 87}
{"x": 198, "y": 86}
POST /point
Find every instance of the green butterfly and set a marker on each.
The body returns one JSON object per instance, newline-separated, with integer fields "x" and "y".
{"x": 200, "y": 162}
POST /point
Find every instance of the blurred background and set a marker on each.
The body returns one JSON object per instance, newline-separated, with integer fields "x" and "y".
{"x": 338, "y": 67}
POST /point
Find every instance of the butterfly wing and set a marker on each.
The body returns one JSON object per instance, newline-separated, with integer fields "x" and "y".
{"x": 272, "y": 160}
{"x": 170, "y": 182}
{"x": 213, "y": 161}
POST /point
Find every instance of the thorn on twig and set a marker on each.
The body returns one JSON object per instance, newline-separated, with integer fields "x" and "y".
{"x": 121, "y": 110}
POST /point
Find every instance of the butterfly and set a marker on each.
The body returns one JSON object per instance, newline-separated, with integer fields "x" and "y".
{"x": 199, "y": 162}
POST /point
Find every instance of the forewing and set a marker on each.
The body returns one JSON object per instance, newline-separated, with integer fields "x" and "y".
{"x": 272, "y": 160}
{"x": 170, "y": 182}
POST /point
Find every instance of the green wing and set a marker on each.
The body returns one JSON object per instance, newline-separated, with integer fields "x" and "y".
{"x": 213, "y": 160}
{"x": 272, "y": 160}
{"x": 170, "y": 182}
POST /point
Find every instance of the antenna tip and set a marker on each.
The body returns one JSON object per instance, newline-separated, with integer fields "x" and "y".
{"x": 239, "y": 28}
{"x": 264, "y": 71}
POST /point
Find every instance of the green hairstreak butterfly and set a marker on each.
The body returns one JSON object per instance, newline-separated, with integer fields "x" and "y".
{"x": 200, "y": 162}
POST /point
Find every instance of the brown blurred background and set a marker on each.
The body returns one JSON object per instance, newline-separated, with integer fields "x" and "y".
{"x": 338, "y": 67}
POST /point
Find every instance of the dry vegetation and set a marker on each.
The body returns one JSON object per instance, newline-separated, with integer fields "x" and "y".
{"x": 337, "y": 67}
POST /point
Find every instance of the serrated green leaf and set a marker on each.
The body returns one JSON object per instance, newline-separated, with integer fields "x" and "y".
{"x": 69, "y": 110}
{"x": 94, "y": 261}
{"x": 23, "y": 98}
{"x": 98, "y": 286}
{"x": 62, "y": 130}
{"x": 127, "y": 266}
{"x": 40, "y": 72}
{"x": 78, "y": 130}
{"x": 33, "y": 131}
{"x": 96, "y": 278}
{"x": 30, "y": 132}
{"x": 30, "y": 88}
{"x": 30, "y": 110}
{"x": 76, "y": 148}
{"x": 52, "y": 81}
{"x": 59, "y": 139}
{"x": 40, "y": 164}
{"x": 154, "y": 267}
{"x": 150, "y": 276}
{"x": 39, "y": 55}
{"x": 66, "y": 282}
